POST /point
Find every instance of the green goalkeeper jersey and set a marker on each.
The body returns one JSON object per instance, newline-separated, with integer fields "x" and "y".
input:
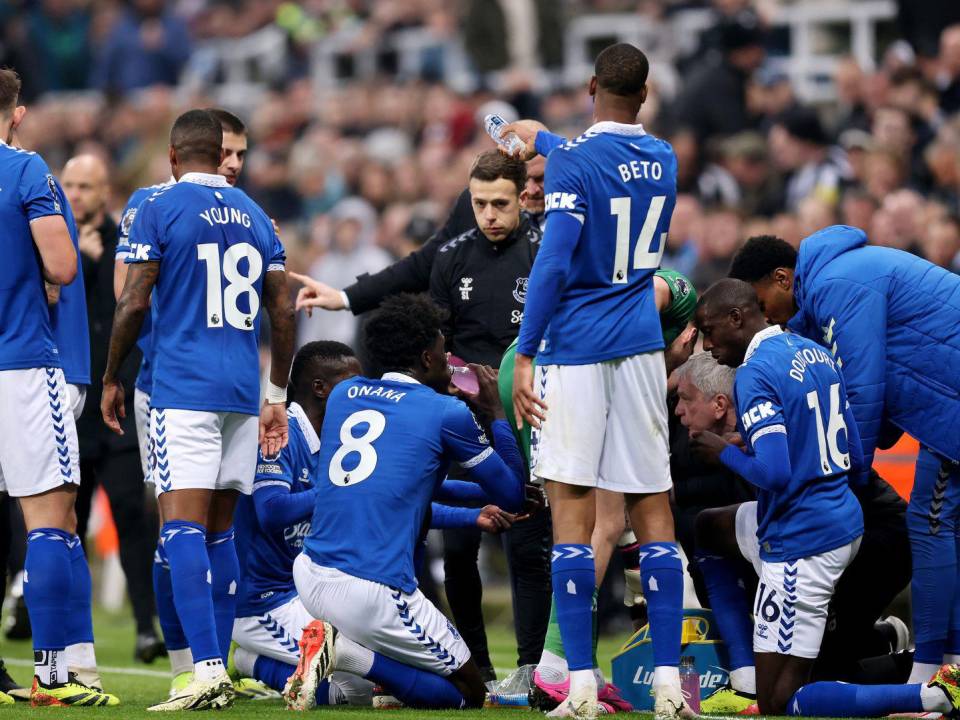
{"x": 673, "y": 319}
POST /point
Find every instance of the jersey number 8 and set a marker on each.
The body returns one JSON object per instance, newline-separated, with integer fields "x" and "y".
{"x": 363, "y": 446}
{"x": 224, "y": 306}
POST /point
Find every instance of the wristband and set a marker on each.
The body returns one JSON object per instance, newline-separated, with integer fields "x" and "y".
{"x": 275, "y": 395}
{"x": 346, "y": 300}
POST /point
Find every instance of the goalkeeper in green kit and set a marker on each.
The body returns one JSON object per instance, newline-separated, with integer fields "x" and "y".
{"x": 676, "y": 300}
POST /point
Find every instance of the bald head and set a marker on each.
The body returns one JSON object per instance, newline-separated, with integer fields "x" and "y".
{"x": 728, "y": 316}
{"x": 84, "y": 180}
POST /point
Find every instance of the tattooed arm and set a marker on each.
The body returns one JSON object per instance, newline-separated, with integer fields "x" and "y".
{"x": 273, "y": 416}
{"x": 127, "y": 320}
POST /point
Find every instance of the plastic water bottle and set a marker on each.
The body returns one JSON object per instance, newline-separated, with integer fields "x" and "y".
{"x": 494, "y": 125}
{"x": 690, "y": 683}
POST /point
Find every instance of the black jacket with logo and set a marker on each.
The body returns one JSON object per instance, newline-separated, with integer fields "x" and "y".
{"x": 483, "y": 285}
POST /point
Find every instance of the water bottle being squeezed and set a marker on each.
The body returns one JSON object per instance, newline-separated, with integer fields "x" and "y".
{"x": 494, "y": 125}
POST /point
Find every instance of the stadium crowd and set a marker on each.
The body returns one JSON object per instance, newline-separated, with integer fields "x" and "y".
{"x": 359, "y": 176}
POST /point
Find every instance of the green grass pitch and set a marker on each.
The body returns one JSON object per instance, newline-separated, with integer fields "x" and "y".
{"x": 139, "y": 685}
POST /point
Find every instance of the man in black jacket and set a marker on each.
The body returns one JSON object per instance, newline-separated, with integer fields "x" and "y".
{"x": 107, "y": 459}
{"x": 412, "y": 273}
{"x": 480, "y": 277}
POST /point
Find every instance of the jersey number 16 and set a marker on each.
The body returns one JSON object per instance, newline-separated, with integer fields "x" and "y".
{"x": 827, "y": 440}
{"x": 223, "y": 305}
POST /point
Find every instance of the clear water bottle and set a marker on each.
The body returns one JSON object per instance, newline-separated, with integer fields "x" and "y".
{"x": 690, "y": 683}
{"x": 494, "y": 125}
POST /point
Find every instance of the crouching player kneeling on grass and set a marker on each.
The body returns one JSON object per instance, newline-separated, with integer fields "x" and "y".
{"x": 384, "y": 449}
{"x": 803, "y": 450}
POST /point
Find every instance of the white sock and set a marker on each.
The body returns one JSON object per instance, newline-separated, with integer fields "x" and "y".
{"x": 598, "y": 676}
{"x": 934, "y": 700}
{"x": 666, "y": 675}
{"x": 922, "y": 672}
{"x": 181, "y": 661}
{"x": 354, "y": 690}
{"x": 744, "y": 679}
{"x": 951, "y": 659}
{"x": 552, "y": 668}
{"x": 352, "y": 657}
{"x": 208, "y": 669}
{"x": 50, "y": 666}
{"x": 243, "y": 661}
{"x": 583, "y": 682}
{"x": 81, "y": 655}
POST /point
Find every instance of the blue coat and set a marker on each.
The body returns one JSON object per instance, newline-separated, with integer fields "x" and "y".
{"x": 893, "y": 322}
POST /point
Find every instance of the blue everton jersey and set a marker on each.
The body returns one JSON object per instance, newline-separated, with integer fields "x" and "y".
{"x": 145, "y": 376}
{"x": 69, "y": 316}
{"x": 385, "y": 448}
{"x": 214, "y": 246}
{"x": 268, "y": 575}
{"x": 621, "y": 182}
{"x": 27, "y": 192}
{"x": 788, "y": 384}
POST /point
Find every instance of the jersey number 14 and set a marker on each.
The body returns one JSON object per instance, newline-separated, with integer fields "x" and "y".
{"x": 644, "y": 256}
{"x": 223, "y": 305}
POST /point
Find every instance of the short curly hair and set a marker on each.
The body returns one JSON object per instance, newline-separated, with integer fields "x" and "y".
{"x": 760, "y": 256}
{"x": 316, "y": 359}
{"x": 402, "y": 328}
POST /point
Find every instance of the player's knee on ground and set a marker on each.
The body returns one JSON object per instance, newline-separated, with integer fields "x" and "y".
{"x": 715, "y": 531}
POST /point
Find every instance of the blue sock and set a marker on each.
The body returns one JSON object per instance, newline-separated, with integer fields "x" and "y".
{"x": 574, "y": 578}
{"x": 47, "y": 581}
{"x": 931, "y": 526}
{"x": 79, "y": 621}
{"x": 415, "y": 688}
{"x": 170, "y": 626}
{"x": 274, "y": 673}
{"x": 836, "y": 699}
{"x": 225, "y": 574}
{"x": 186, "y": 546}
{"x": 662, "y": 575}
{"x": 730, "y": 606}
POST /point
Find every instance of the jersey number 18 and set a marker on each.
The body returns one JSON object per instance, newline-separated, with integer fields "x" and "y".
{"x": 224, "y": 305}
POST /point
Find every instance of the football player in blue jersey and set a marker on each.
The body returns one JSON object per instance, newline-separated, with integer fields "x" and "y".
{"x": 272, "y": 524}
{"x": 891, "y": 320}
{"x": 592, "y": 324}
{"x": 384, "y": 450}
{"x": 209, "y": 258}
{"x": 38, "y": 437}
{"x": 234, "y": 154}
{"x": 803, "y": 450}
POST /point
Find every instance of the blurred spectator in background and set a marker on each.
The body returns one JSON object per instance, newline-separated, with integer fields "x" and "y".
{"x": 344, "y": 242}
{"x": 948, "y": 70}
{"x": 149, "y": 45}
{"x": 723, "y": 80}
{"x": 941, "y": 243}
{"x": 508, "y": 34}
{"x": 800, "y": 147}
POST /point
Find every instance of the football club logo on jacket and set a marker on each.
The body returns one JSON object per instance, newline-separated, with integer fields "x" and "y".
{"x": 520, "y": 291}
{"x": 466, "y": 287}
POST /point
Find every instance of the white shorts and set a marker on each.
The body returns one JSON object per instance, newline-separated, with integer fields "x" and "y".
{"x": 606, "y": 425}
{"x": 77, "y": 398}
{"x": 405, "y": 627}
{"x": 38, "y": 433}
{"x": 141, "y": 416}
{"x": 747, "y": 534}
{"x": 790, "y": 611}
{"x": 275, "y": 634}
{"x": 200, "y": 449}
